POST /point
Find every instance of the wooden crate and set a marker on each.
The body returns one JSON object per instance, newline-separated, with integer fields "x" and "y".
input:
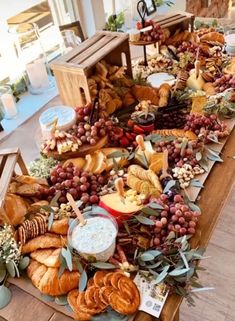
{"x": 71, "y": 70}
{"x": 8, "y": 160}
{"x": 178, "y": 20}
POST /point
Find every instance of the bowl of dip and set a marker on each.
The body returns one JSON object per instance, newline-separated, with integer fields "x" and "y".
{"x": 96, "y": 240}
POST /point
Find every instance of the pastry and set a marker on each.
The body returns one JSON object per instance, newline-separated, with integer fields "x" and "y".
{"x": 114, "y": 289}
{"x": 214, "y": 38}
{"x": 14, "y": 210}
{"x": 48, "y": 257}
{"x": 47, "y": 281}
{"x": 164, "y": 93}
{"x": 60, "y": 226}
{"x": 45, "y": 241}
{"x": 145, "y": 93}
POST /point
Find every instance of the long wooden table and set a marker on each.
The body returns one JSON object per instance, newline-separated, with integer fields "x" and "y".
{"x": 212, "y": 200}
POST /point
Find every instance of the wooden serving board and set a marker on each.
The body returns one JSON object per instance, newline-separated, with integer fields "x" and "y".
{"x": 83, "y": 150}
{"x": 193, "y": 192}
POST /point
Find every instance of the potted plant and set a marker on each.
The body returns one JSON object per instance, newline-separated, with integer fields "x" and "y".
{"x": 115, "y": 22}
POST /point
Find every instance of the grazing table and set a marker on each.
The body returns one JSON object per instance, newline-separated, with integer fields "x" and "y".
{"x": 211, "y": 202}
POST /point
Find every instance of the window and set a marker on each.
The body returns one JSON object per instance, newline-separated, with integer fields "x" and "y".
{"x": 46, "y": 14}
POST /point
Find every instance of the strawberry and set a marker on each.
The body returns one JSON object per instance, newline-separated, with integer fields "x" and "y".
{"x": 124, "y": 142}
{"x": 118, "y": 132}
{"x": 138, "y": 130}
{"x": 129, "y": 136}
{"x": 138, "y": 25}
{"x": 130, "y": 123}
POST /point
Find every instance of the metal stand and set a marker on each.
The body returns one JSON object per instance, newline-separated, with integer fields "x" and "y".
{"x": 142, "y": 10}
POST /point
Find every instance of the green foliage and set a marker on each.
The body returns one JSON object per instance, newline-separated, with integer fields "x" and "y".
{"x": 176, "y": 265}
{"x": 115, "y": 22}
{"x": 159, "y": 3}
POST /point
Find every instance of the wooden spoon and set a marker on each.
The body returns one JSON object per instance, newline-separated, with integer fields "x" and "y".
{"x": 73, "y": 204}
{"x": 165, "y": 165}
{"x": 119, "y": 184}
{"x": 140, "y": 141}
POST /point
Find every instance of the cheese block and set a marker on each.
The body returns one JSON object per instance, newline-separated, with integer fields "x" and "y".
{"x": 148, "y": 152}
{"x": 65, "y": 116}
{"x": 121, "y": 161}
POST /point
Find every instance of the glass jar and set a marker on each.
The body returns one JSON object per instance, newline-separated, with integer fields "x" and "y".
{"x": 96, "y": 240}
{"x": 70, "y": 41}
{"x": 32, "y": 58}
{"x": 8, "y": 106}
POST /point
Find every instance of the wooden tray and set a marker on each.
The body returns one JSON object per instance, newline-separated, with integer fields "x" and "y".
{"x": 83, "y": 150}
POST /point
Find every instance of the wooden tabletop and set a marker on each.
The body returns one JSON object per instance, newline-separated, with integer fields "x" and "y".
{"x": 212, "y": 200}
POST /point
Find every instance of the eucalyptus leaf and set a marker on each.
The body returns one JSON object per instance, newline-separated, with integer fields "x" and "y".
{"x": 181, "y": 291}
{"x": 215, "y": 158}
{"x": 61, "y": 270}
{"x": 5, "y": 296}
{"x": 3, "y": 274}
{"x": 103, "y": 265}
{"x": 178, "y": 272}
{"x": 156, "y": 206}
{"x": 24, "y": 262}
{"x": 125, "y": 224}
{"x": 11, "y": 269}
{"x": 82, "y": 281}
{"x": 168, "y": 186}
{"x": 149, "y": 211}
{"x": 54, "y": 201}
{"x": 146, "y": 257}
{"x": 68, "y": 258}
{"x": 194, "y": 207}
{"x": 162, "y": 275}
{"x": 50, "y": 220}
{"x": 195, "y": 284}
{"x": 184, "y": 259}
{"x": 143, "y": 160}
{"x": 61, "y": 300}
{"x": 196, "y": 183}
{"x": 47, "y": 298}
{"x": 47, "y": 208}
{"x": 204, "y": 164}
{"x": 78, "y": 265}
{"x": 16, "y": 270}
{"x": 155, "y": 253}
{"x": 154, "y": 266}
{"x": 144, "y": 220}
{"x": 183, "y": 238}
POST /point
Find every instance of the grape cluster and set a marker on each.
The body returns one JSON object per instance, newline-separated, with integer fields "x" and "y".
{"x": 90, "y": 133}
{"x": 80, "y": 184}
{"x": 177, "y": 155}
{"x": 187, "y": 47}
{"x": 206, "y": 125}
{"x": 224, "y": 82}
{"x": 155, "y": 34}
{"x": 171, "y": 119}
{"x": 176, "y": 216}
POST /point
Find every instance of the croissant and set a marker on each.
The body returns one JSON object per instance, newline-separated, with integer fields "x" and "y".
{"x": 60, "y": 226}
{"x": 164, "y": 93}
{"x": 145, "y": 93}
{"x": 47, "y": 281}
{"x": 213, "y": 37}
{"x": 15, "y": 208}
{"x": 42, "y": 242}
{"x": 48, "y": 257}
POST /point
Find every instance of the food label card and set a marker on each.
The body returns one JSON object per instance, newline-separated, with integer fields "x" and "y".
{"x": 153, "y": 296}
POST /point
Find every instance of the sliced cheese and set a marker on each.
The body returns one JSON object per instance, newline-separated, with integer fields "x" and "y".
{"x": 119, "y": 204}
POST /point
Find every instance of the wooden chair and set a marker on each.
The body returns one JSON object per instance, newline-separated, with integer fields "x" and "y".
{"x": 76, "y": 27}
